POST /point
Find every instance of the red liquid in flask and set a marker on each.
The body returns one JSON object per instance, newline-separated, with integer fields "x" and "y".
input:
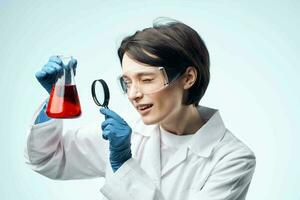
{"x": 64, "y": 102}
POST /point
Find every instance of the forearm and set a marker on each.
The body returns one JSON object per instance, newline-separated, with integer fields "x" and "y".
{"x": 76, "y": 154}
{"x": 43, "y": 150}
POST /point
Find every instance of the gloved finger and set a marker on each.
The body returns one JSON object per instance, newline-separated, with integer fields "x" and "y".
{"x": 109, "y": 121}
{"x": 111, "y": 114}
{"x": 116, "y": 127}
{"x": 105, "y": 135}
{"x": 57, "y": 67}
{"x": 56, "y": 59}
{"x": 49, "y": 69}
{"x": 41, "y": 75}
{"x": 122, "y": 131}
{"x": 109, "y": 128}
{"x": 108, "y": 132}
{"x": 118, "y": 131}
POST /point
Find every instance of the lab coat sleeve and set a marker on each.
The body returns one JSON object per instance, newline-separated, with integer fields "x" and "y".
{"x": 77, "y": 154}
{"x": 230, "y": 178}
{"x": 131, "y": 182}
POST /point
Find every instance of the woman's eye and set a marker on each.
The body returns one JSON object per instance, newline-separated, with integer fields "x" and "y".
{"x": 147, "y": 80}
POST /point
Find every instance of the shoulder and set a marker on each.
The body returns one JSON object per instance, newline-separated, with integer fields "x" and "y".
{"x": 232, "y": 150}
{"x": 233, "y": 166}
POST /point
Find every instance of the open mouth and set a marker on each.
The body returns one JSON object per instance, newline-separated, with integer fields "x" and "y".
{"x": 144, "y": 108}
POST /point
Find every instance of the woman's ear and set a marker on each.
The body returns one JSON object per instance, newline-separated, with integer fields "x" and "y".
{"x": 190, "y": 77}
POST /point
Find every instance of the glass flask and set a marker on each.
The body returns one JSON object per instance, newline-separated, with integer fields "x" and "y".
{"x": 64, "y": 99}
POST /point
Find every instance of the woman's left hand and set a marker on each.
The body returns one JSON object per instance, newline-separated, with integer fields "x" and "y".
{"x": 117, "y": 131}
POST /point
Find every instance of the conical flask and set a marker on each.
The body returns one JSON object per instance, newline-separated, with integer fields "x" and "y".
{"x": 64, "y": 99}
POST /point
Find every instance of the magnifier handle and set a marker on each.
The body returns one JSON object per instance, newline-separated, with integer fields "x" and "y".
{"x": 105, "y": 115}
{"x": 104, "y": 136}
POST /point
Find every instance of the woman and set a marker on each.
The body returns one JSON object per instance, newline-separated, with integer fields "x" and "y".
{"x": 177, "y": 150}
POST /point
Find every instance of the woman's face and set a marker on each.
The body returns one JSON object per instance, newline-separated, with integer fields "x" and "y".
{"x": 157, "y": 107}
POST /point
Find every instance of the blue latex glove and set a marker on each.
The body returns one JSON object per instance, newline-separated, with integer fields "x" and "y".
{"x": 117, "y": 131}
{"x": 50, "y": 72}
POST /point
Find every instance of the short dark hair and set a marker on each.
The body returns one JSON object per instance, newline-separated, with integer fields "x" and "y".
{"x": 175, "y": 46}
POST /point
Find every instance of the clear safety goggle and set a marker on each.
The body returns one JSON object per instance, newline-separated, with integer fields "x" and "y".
{"x": 147, "y": 80}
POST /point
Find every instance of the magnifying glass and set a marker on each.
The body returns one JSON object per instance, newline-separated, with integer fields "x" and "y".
{"x": 100, "y": 93}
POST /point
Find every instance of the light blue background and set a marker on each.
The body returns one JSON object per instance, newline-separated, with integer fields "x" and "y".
{"x": 254, "y": 47}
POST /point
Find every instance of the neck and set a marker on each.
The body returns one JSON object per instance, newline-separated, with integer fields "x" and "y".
{"x": 184, "y": 122}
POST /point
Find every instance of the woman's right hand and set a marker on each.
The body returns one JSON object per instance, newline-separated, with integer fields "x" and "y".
{"x": 50, "y": 72}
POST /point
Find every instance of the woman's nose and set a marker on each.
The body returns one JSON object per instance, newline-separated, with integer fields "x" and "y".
{"x": 134, "y": 93}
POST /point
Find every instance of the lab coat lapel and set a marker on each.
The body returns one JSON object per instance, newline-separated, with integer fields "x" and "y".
{"x": 151, "y": 158}
{"x": 175, "y": 160}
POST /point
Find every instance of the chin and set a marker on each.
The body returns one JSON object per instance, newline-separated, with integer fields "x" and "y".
{"x": 149, "y": 120}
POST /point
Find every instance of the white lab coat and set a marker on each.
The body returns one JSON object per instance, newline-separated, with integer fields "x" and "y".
{"x": 213, "y": 165}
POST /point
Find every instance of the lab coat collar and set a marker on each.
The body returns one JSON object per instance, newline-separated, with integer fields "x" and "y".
{"x": 204, "y": 140}
{"x": 202, "y": 143}
{"x": 208, "y": 136}
{"x": 151, "y": 157}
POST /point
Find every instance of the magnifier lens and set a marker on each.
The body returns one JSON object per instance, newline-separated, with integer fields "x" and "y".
{"x": 100, "y": 93}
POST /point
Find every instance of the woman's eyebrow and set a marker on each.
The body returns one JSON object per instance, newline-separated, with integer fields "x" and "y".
{"x": 139, "y": 74}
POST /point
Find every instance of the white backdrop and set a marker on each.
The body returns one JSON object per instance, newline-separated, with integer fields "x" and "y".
{"x": 254, "y": 48}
